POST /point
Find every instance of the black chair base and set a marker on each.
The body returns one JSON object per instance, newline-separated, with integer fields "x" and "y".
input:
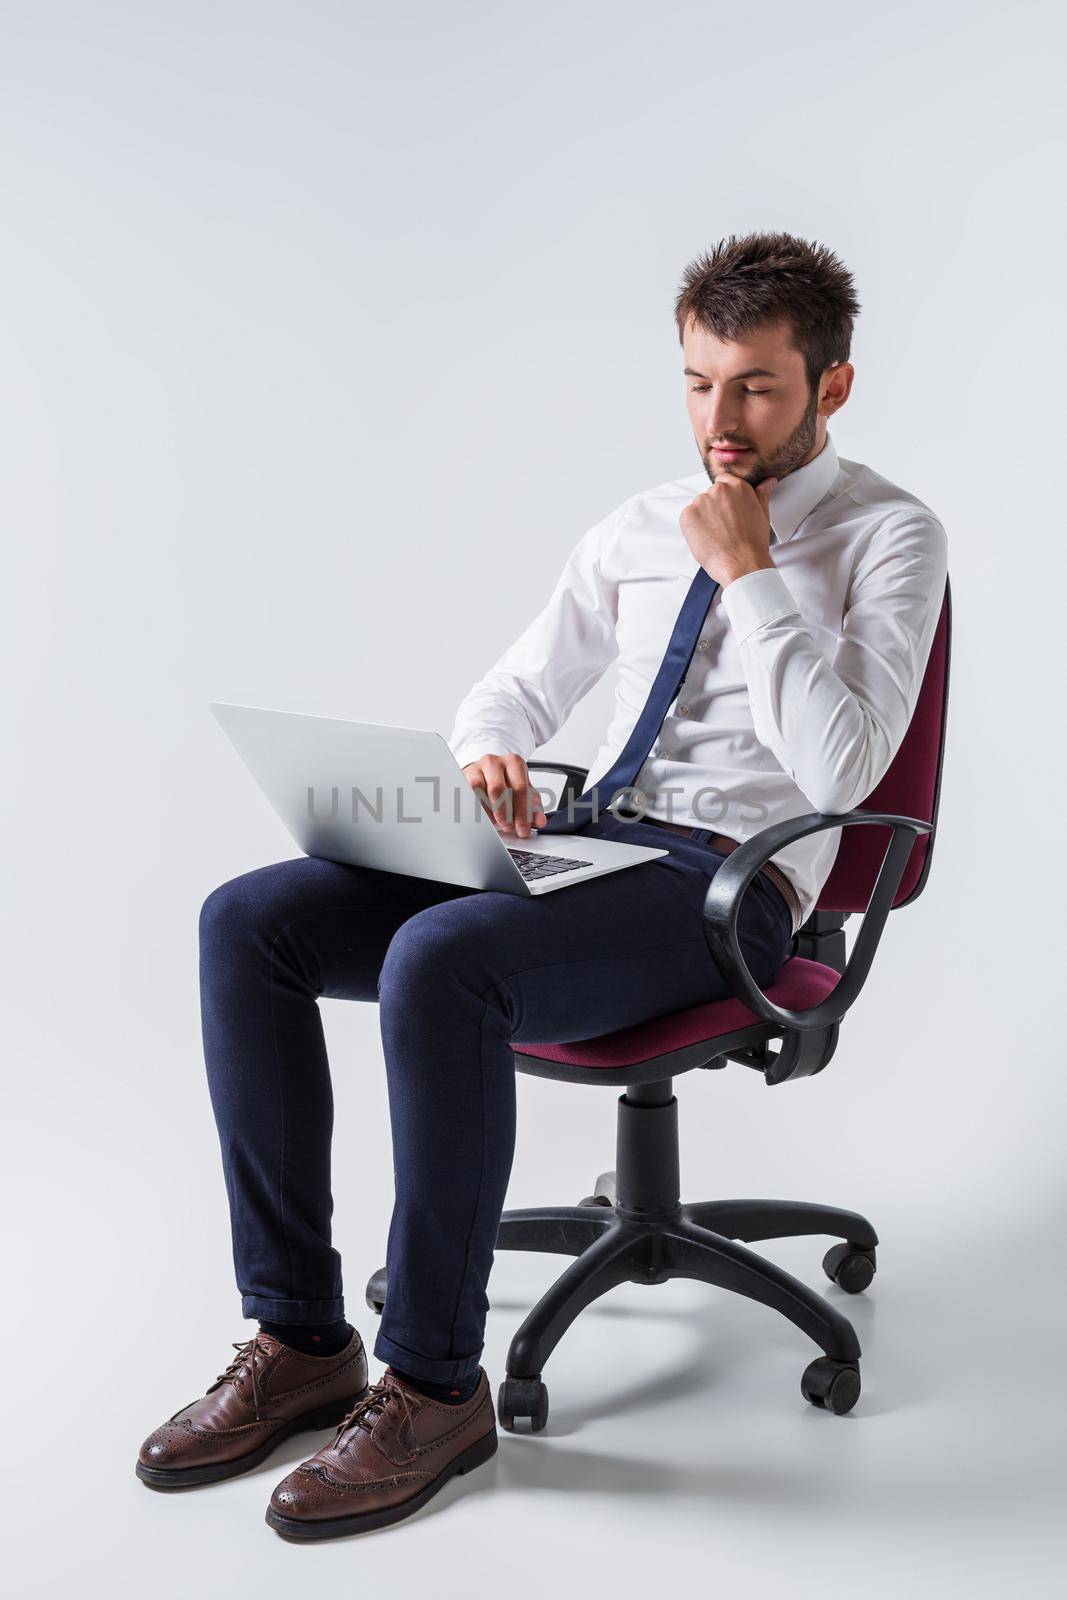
{"x": 634, "y": 1229}
{"x": 698, "y": 1241}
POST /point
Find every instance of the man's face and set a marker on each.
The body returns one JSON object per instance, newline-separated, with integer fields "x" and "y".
{"x": 753, "y": 393}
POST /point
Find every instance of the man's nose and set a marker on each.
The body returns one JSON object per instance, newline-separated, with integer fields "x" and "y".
{"x": 720, "y": 419}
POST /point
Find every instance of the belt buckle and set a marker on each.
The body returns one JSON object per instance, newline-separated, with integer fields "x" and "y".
{"x": 620, "y": 809}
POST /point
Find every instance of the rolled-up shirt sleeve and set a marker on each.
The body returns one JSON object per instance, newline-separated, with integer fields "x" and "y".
{"x": 531, "y": 689}
{"x": 835, "y": 725}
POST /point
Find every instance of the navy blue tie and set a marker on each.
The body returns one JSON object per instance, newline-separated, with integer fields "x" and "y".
{"x": 668, "y": 681}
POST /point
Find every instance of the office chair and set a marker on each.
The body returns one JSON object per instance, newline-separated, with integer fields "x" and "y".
{"x": 634, "y": 1227}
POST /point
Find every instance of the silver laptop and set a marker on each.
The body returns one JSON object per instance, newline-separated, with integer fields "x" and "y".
{"x": 396, "y": 799}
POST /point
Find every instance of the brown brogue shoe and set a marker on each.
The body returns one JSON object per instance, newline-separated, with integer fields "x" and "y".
{"x": 394, "y": 1450}
{"x": 266, "y": 1393}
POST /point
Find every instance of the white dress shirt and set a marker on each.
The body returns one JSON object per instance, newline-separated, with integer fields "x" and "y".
{"x": 804, "y": 678}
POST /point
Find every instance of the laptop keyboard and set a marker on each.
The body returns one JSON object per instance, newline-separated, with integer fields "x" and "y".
{"x": 532, "y": 865}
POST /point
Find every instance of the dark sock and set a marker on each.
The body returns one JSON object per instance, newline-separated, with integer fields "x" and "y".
{"x": 311, "y": 1338}
{"x": 452, "y": 1394}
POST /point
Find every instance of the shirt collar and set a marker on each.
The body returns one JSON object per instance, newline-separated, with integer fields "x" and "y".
{"x": 797, "y": 494}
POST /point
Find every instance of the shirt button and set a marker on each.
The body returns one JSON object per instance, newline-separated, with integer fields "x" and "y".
{"x": 683, "y": 711}
{"x": 702, "y": 644}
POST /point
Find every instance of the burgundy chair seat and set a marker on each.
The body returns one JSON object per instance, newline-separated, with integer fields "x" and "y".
{"x": 799, "y": 984}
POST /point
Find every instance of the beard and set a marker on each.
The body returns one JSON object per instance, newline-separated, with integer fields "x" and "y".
{"x": 784, "y": 458}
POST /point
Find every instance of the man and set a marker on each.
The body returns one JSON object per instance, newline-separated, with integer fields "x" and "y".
{"x": 798, "y": 692}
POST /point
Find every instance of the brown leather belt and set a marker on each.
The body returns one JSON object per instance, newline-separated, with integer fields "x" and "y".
{"x": 723, "y": 842}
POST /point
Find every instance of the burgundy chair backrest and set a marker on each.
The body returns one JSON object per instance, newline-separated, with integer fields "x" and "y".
{"x": 910, "y": 788}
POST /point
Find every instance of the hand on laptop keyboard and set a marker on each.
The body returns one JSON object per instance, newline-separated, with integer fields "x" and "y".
{"x": 503, "y": 785}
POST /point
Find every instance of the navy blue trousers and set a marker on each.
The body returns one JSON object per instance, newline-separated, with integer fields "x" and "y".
{"x": 458, "y": 975}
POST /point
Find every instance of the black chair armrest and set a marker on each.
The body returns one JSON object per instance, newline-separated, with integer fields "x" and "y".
{"x": 575, "y": 776}
{"x": 722, "y": 906}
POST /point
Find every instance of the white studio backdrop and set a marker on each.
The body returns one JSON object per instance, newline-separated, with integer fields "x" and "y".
{"x": 328, "y": 330}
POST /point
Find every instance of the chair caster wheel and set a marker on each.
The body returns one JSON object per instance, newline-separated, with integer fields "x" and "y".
{"x": 604, "y": 1193}
{"x": 522, "y": 1397}
{"x": 850, "y": 1267}
{"x": 377, "y": 1284}
{"x": 831, "y": 1385}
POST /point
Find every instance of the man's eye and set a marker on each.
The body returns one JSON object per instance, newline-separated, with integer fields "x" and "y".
{"x": 757, "y": 391}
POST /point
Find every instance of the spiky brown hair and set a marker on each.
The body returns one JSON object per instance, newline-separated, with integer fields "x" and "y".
{"x": 743, "y": 283}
